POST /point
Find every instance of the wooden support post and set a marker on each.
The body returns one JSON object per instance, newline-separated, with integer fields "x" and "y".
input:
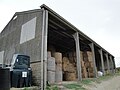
{"x": 76, "y": 37}
{"x": 93, "y": 53}
{"x": 102, "y": 61}
{"x": 108, "y": 64}
{"x": 45, "y": 50}
{"x": 112, "y": 66}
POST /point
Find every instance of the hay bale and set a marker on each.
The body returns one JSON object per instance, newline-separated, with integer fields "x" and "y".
{"x": 48, "y": 54}
{"x": 58, "y": 67}
{"x": 81, "y": 56}
{"x": 65, "y": 63}
{"x": 91, "y": 64}
{"x": 70, "y": 76}
{"x": 67, "y": 66}
{"x": 58, "y": 57}
{"x": 65, "y": 60}
{"x": 87, "y": 64}
{"x": 71, "y": 68}
{"x": 82, "y": 64}
{"x": 51, "y": 76}
{"x": 90, "y": 56}
{"x": 58, "y": 76}
{"x": 90, "y": 69}
{"x": 51, "y": 64}
{"x": 84, "y": 72}
{"x": 90, "y": 75}
{"x": 52, "y": 49}
{"x": 58, "y": 73}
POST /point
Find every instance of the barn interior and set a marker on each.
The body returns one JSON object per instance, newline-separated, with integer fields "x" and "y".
{"x": 61, "y": 45}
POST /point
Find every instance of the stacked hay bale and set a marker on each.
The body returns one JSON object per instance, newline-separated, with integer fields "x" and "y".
{"x": 65, "y": 68}
{"x": 52, "y": 50}
{"x": 69, "y": 70}
{"x": 91, "y": 65}
{"x": 50, "y": 68}
{"x": 83, "y": 68}
{"x": 58, "y": 71}
{"x": 88, "y": 62}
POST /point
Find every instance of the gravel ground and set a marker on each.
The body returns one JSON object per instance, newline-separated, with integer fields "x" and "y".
{"x": 110, "y": 84}
{"x": 28, "y": 88}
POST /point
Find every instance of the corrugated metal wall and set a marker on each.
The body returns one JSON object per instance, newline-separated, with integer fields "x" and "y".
{"x": 10, "y": 40}
{"x": 14, "y": 39}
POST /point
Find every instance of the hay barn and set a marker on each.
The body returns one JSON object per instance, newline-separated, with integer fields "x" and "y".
{"x": 58, "y": 50}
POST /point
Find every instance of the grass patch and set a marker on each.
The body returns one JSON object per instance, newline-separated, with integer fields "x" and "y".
{"x": 106, "y": 77}
{"x": 102, "y": 78}
{"x": 26, "y": 88}
{"x": 117, "y": 73}
{"x": 54, "y": 87}
{"x": 87, "y": 81}
{"x": 81, "y": 85}
{"x": 74, "y": 86}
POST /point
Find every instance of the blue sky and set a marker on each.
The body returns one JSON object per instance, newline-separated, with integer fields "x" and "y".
{"x": 99, "y": 19}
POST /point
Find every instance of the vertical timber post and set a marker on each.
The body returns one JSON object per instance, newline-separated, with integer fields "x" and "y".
{"x": 93, "y": 53}
{"x": 45, "y": 50}
{"x": 112, "y": 66}
{"x": 102, "y": 62}
{"x": 108, "y": 64}
{"x": 42, "y": 46}
{"x": 76, "y": 37}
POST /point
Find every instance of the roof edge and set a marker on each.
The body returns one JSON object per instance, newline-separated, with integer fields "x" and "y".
{"x": 43, "y": 6}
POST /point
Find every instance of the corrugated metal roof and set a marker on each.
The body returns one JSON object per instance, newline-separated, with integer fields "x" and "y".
{"x": 70, "y": 25}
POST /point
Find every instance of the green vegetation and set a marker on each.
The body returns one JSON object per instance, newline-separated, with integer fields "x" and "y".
{"x": 74, "y": 86}
{"x": 106, "y": 77}
{"x": 52, "y": 87}
{"x": 77, "y": 85}
{"x": 87, "y": 81}
{"x": 117, "y": 72}
{"x": 81, "y": 85}
{"x": 26, "y": 88}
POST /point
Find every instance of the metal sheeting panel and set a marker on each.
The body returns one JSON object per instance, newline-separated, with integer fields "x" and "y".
{"x": 28, "y": 31}
{"x": 1, "y": 57}
{"x": 9, "y": 54}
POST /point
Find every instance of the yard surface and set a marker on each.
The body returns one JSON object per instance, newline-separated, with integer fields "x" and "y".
{"x": 108, "y": 82}
{"x": 112, "y": 83}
